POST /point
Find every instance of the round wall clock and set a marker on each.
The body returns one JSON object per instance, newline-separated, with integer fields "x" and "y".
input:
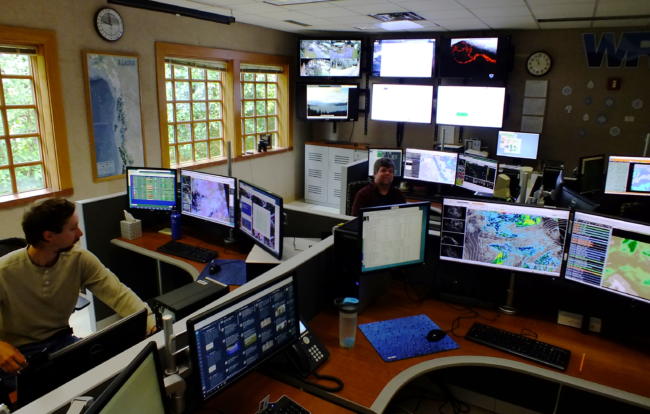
{"x": 109, "y": 24}
{"x": 539, "y": 63}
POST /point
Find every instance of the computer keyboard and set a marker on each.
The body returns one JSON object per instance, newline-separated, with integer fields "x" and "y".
{"x": 285, "y": 405}
{"x": 520, "y": 345}
{"x": 186, "y": 251}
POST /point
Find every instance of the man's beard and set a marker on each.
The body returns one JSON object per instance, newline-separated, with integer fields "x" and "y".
{"x": 67, "y": 249}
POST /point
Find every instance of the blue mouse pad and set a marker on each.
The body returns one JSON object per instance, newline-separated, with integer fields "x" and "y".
{"x": 403, "y": 338}
{"x": 232, "y": 272}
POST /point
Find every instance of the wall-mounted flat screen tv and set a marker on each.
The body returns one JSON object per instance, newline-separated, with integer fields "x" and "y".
{"x": 401, "y": 103}
{"x": 330, "y": 58}
{"x": 332, "y": 102}
{"x": 403, "y": 58}
{"x": 481, "y": 58}
{"x": 470, "y": 106}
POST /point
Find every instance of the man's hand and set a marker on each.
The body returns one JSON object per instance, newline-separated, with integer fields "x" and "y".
{"x": 11, "y": 359}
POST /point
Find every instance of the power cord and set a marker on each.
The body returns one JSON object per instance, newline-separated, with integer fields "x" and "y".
{"x": 338, "y": 387}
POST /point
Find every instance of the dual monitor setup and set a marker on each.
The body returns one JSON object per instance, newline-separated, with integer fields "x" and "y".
{"x": 210, "y": 199}
{"x": 406, "y": 69}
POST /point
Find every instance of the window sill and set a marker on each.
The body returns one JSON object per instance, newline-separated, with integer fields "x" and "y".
{"x": 244, "y": 157}
{"x": 26, "y": 198}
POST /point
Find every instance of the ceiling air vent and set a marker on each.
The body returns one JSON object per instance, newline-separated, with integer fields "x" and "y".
{"x": 397, "y": 16}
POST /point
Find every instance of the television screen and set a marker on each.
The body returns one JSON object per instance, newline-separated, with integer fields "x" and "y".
{"x": 610, "y": 254}
{"x": 393, "y": 236}
{"x": 330, "y": 58}
{"x": 330, "y": 102}
{"x": 517, "y": 144}
{"x": 403, "y": 58}
{"x": 474, "y": 58}
{"x": 479, "y": 106}
{"x": 151, "y": 188}
{"x": 508, "y": 236}
{"x": 628, "y": 175}
{"x": 476, "y": 173}
{"x": 260, "y": 217}
{"x": 431, "y": 166}
{"x": 395, "y": 154}
{"x": 401, "y": 103}
{"x": 209, "y": 197}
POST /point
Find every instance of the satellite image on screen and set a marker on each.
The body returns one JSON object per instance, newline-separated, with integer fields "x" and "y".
{"x": 626, "y": 267}
{"x": 641, "y": 178}
{"x": 209, "y": 199}
{"x": 438, "y": 169}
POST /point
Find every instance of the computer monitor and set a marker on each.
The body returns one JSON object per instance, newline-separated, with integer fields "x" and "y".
{"x": 393, "y": 236}
{"x": 610, "y": 254}
{"x": 621, "y": 178}
{"x": 260, "y": 217}
{"x": 507, "y": 236}
{"x": 476, "y": 58}
{"x": 401, "y": 103}
{"x": 332, "y": 102}
{"x": 394, "y": 154}
{"x": 61, "y": 366}
{"x": 403, "y": 58}
{"x": 517, "y": 144}
{"x": 151, "y": 188}
{"x": 480, "y": 106}
{"x": 233, "y": 338}
{"x": 476, "y": 173}
{"x": 330, "y": 58}
{"x": 592, "y": 173}
{"x": 209, "y": 197}
{"x": 138, "y": 388}
{"x": 430, "y": 166}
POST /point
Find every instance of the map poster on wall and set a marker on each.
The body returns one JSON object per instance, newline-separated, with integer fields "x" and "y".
{"x": 114, "y": 119}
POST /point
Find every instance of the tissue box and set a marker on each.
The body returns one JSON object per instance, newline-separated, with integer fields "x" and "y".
{"x": 131, "y": 229}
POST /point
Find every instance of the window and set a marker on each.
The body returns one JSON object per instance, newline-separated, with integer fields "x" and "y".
{"x": 33, "y": 147}
{"x": 213, "y": 98}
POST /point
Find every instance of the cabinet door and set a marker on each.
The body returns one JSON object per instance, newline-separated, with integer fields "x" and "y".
{"x": 316, "y": 166}
{"x": 337, "y": 158}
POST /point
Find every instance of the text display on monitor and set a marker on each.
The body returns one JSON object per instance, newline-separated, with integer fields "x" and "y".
{"x": 401, "y": 103}
{"x": 231, "y": 340}
{"x": 610, "y": 254}
{"x": 470, "y": 106}
{"x": 508, "y": 236}
{"x": 628, "y": 175}
{"x": 476, "y": 173}
{"x": 151, "y": 189}
{"x": 403, "y": 58}
{"x": 209, "y": 197}
{"x": 328, "y": 102}
{"x": 517, "y": 144}
{"x": 430, "y": 166}
{"x": 330, "y": 58}
{"x": 394, "y": 155}
{"x": 261, "y": 217}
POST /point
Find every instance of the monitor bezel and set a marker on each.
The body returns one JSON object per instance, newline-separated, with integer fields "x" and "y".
{"x": 503, "y": 111}
{"x": 499, "y": 134}
{"x": 429, "y": 151}
{"x": 197, "y": 217}
{"x": 195, "y": 375}
{"x": 278, "y": 254}
{"x": 425, "y": 206}
{"x": 421, "y": 85}
{"x": 129, "y": 194}
{"x": 362, "y": 51}
{"x": 371, "y": 54}
{"x": 354, "y": 92}
{"x": 370, "y": 167}
{"x": 504, "y": 58}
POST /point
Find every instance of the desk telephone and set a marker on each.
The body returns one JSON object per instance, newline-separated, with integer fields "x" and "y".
{"x": 308, "y": 353}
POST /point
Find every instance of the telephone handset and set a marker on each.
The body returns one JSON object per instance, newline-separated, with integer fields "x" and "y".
{"x": 308, "y": 353}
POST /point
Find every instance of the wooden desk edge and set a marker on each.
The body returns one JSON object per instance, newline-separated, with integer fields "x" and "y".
{"x": 404, "y": 377}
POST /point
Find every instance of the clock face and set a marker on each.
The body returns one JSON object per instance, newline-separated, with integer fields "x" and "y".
{"x": 539, "y": 63}
{"x": 109, "y": 24}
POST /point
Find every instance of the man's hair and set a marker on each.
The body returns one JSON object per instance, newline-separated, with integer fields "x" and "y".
{"x": 383, "y": 162}
{"x": 47, "y": 215}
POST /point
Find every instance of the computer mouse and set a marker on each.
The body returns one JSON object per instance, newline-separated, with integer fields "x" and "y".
{"x": 436, "y": 335}
{"x": 214, "y": 268}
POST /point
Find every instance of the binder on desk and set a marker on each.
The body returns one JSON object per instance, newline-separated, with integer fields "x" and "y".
{"x": 402, "y": 338}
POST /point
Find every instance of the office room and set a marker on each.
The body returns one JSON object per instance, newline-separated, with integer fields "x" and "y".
{"x": 590, "y": 102}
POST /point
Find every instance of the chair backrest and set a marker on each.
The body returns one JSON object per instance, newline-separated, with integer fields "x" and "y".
{"x": 353, "y": 188}
{"x": 11, "y": 244}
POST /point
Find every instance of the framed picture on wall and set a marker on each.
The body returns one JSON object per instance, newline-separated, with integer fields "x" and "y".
{"x": 113, "y": 108}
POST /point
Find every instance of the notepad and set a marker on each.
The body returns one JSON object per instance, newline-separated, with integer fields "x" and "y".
{"x": 402, "y": 338}
{"x": 233, "y": 272}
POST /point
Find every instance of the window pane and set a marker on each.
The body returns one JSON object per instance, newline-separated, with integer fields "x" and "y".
{"x": 25, "y": 150}
{"x": 249, "y": 91}
{"x": 249, "y": 144}
{"x": 274, "y": 140}
{"x": 11, "y": 64}
{"x": 216, "y": 149}
{"x": 168, "y": 70}
{"x": 272, "y": 77}
{"x": 18, "y": 91}
{"x": 249, "y": 76}
{"x": 260, "y": 77}
{"x": 171, "y": 134}
{"x": 214, "y": 90}
{"x": 260, "y": 90}
{"x": 198, "y": 90}
{"x": 249, "y": 108}
{"x": 5, "y": 182}
{"x": 182, "y": 91}
{"x": 200, "y": 131}
{"x": 214, "y": 75}
{"x": 172, "y": 155}
{"x": 2, "y": 125}
{"x": 272, "y": 90}
{"x": 30, "y": 178}
{"x": 22, "y": 121}
{"x": 198, "y": 73}
{"x": 249, "y": 126}
{"x": 201, "y": 150}
{"x": 260, "y": 108}
{"x": 183, "y": 133}
{"x": 273, "y": 123}
{"x": 214, "y": 110}
{"x": 198, "y": 111}
{"x": 180, "y": 72}
{"x": 4, "y": 158}
{"x": 182, "y": 112}
{"x": 261, "y": 124}
{"x": 170, "y": 112}
{"x": 216, "y": 131}
{"x": 271, "y": 108}
{"x": 169, "y": 91}
{"x": 185, "y": 153}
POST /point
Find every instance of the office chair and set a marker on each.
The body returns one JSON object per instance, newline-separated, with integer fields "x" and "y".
{"x": 351, "y": 192}
{"x": 15, "y": 243}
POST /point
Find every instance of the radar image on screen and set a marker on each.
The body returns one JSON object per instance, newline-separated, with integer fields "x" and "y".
{"x": 640, "y": 178}
{"x": 626, "y": 267}
{"x": 438, "y": 169}
{"x": 207, "y": 199}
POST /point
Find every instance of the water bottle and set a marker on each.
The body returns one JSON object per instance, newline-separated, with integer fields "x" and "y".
{"x": 176, "y": 225}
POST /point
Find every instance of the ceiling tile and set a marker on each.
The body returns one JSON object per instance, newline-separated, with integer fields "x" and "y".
{"x": 565, "y": 25}
{"x": 516, "y": 22}
{"x": 577, "y": 9}
{"x": 462, "y": 24}
{"x": 622, "y": 23}
{"x": 428, "y": 4}
{"x": 446, "y": 14}
{"x": 623, "y": 7}
{"x": 491, "y": 3}
{"x": 501, "y": 11}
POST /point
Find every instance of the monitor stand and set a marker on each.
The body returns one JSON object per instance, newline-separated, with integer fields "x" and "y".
{"x": 230, "y": 237}
{"x": 508, "y": 307}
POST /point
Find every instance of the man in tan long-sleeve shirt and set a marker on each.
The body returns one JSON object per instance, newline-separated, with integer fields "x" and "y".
{"x": 39, "y": 284}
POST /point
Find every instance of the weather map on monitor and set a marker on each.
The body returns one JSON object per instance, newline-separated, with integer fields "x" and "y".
{"x": 640, "y": 179}
{"x": 476, "y": 173}
{"x": 621, "y": 178}
{"x": 509, "y": 236}
{"x": 330, "y": 58}
{"x": 517, "y": 144}
{"x": 473, "y": 57}
{"x": 208, "y": 196}
{"x": 431, "y": 166}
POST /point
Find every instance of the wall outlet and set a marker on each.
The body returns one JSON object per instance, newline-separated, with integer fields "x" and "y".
{"x": 569, "y": 319}
{"x": 595, "y": 324}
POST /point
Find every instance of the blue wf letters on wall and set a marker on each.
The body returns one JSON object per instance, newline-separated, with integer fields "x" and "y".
{"x": 629, "y": 48}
